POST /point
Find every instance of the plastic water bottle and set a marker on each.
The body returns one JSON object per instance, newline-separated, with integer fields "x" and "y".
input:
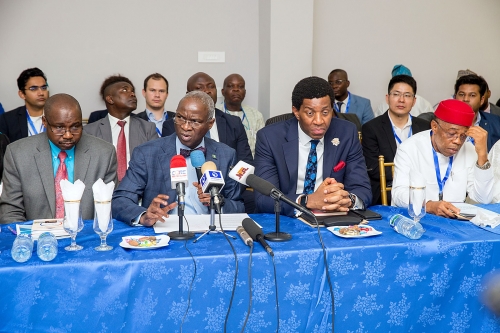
{"x": 406, "y": 226}
{"x": 46, "y": 248}
{"x": 22, "y": 248}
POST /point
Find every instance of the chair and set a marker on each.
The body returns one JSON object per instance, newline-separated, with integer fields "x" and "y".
{"x": 383, "y": 182}
{"x": 277, "y": 119}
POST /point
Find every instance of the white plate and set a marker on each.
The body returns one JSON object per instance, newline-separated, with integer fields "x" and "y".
{"x": 161, "y": 241}
{"x": 366, "y": 231}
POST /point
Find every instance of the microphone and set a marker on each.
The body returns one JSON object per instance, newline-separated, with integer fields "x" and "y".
{"x": 256, "y": 233}
{"x": 179, "y": 178}
{"x": 245, "y": 237}
{"x": 241, "y": 171}
{"x": 212, "y": 181}
{"x": 197, "y": 160}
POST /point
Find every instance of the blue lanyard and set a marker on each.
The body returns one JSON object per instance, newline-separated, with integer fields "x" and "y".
{"x": 247, "y": 126}
{"x": 33, "y": 129}
{"x": 440, "y": 181}
{"x": 347, "y": 105}
{"x": 397, "y": 137}
{"x": 165, "y": 117}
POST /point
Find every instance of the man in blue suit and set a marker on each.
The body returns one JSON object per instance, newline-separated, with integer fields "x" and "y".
{"x": 345, "y": 102}
{"x": 472, "y": 89}
{"x": 148, "y": 175}
{"x": 314, "y": 158}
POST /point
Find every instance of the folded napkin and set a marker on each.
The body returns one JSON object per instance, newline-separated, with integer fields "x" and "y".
{"x": 72, "y": 194}
{"x": 102, "y": 200}
{"x": 486, "y": 218}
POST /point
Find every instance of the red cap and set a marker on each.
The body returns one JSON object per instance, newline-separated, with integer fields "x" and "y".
{"x": 178, "y": 161}
{"x": 455, "y": 112}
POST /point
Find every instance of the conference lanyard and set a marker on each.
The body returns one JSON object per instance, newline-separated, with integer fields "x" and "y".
{"x": 165, "y": 117}
{"x": 441, "y": 182}
{"x": 247, "y": 126}
{"x": 347, "y": 105}
{"x": 32, "y": 125}
{"x": 397, "y": 137}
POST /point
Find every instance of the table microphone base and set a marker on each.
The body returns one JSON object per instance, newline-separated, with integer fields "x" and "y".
{"x": 178, "y": 235}
{"x": 278, "y": 236}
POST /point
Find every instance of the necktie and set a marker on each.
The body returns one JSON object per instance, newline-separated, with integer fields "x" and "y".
{"x": 187, "y": 152}
{"x": 311, "y": 169}
{"x": 62, "y": 173}
{"x": 339, "y": 104}
{"x": 121, "y": 150}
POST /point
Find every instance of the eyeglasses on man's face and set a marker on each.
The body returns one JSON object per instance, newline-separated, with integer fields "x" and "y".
{"x": 181, "y": 121}
{"x": 61, "y": 130}
{"x": 452, "y": 136}
{"x": 397, "y": 95}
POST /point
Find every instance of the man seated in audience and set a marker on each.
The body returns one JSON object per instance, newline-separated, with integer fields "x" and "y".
{"x": 487, "y": 106}
{"x": 450, "y": 166}
{"x": 227, "y": 129}
{"x": 234, "y": 93}
{"x": 148, "y": 177}
{"x": 494, "y": 157}
{"x": 34, "y": 166}
{"x": 118, "y": 128}
{"x": 26, "y": 120}
{"x": 383, "y": 134}
{"x": 421, "y": 104}
{"x": 345, "y": 102}
{"x": 314, "y": 158}
{"x": 471, "y": 89}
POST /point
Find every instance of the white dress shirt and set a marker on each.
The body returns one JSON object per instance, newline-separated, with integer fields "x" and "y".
{"x": 115, "y": 132}
{"x": 402, "y": 133}
{"x": 214, "y": 134}
{"x": 304, "y": 148}
{"x": 344, "y": 104}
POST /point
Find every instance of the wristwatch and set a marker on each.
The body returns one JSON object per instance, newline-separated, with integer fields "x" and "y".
{"x": 485, "y": 166}
{"x": 353, "y": 200}
{"x": 303, "y": 200}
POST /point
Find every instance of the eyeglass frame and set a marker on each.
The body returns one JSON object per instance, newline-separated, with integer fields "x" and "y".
{"x": 338, "y": 82}
{"x": 398, "y": 94}
{"x": 45, "y": 87}
{"x": 452, "y": 137}
{"x": 192, "y": 123}
{"x": 80, "y": 129}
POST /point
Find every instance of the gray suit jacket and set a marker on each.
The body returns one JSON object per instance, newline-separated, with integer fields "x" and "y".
{"x": 141, "y": 131}
{"x": 494, "y": 109}
{"x": 28, "y": 178}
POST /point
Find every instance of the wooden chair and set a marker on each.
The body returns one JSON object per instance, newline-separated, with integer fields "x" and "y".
{"x": 383, "y": 182}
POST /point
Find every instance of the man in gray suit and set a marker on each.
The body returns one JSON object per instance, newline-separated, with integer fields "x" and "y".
{"x": 118, "y": 127}
{"x": 487, "y": 106}
{"x": 31, "y": 164}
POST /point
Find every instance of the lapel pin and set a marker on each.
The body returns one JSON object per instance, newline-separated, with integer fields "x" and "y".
{"x": 214, "y": 157}
{"x": 336, "y": 141}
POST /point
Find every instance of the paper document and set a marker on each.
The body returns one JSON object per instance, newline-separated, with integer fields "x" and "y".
{"x": 200, "y": 223}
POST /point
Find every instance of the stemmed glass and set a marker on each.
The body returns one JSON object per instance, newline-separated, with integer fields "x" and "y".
{"x": 416, "y": 207}
{"x": 103, "y": 224}
{"x": 72, "y": 223}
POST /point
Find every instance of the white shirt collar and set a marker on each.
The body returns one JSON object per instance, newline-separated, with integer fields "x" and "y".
{"x": 113, "y": 120}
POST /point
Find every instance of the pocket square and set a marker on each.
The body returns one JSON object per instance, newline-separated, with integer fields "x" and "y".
{"x": 339, "y": 166}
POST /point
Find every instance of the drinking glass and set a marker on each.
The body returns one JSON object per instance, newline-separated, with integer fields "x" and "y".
{"x": 72, "y": 223}
{"x": 416, "y": 206}
{"x": 103, "y": 223}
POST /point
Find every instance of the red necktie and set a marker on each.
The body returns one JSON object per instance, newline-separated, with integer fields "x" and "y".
{"x": 121, "y": 151}
{"x": 62, "y": 173}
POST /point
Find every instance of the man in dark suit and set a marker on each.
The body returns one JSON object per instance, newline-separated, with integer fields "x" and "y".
{"x": 487, "y": 106}
{"x": 471, "y": 89}
{"x": 32, "y": 164}
{"x": 148, "y": 177}
{"x": 314, "y": 158}
{"x": 26, "y": 120}
{"x": 345, "y": 102}
{"x": 383, "y": 134}
{"x": 118, "y": 126}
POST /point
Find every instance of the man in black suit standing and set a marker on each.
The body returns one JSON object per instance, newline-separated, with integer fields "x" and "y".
{"x": 383, "y": 134}
{"x": 26, "y": 120}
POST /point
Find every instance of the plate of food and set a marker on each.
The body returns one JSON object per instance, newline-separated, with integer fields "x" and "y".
{"x": 144, "y": 242}
{"x": 354, "y": 231}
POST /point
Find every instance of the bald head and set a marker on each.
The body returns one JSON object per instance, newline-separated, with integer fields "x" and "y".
{"x": 203, "y": 82}
{"x": 61, "y": 101}
{"x": 234, "y": 92}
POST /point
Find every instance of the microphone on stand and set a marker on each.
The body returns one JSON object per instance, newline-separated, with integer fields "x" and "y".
{"x": 212, "y": 181}
{"x": 245, "y": 237}
{"x": 256, "y": 233}
{"x": 179, "y": 181}
{"x": 197, "y": 160}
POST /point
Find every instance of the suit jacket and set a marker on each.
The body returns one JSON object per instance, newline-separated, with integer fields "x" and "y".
{"x": 14, "y": 124}
{"x": 231, "y": 132}
{"x": 140, "y": 131}
{"x": 277, "y": 153}
{"x": 491, "y": 123}
{"x": 494, "y": 109}
{"x": 144, "y": 115}
{"x": 361, "y": 107}
{"x": 149, "y": 175}
{"x": 378, "y": 139}
{"x": 28, "y": 179}
{"x": 99, "y": 114}
{"x": 4, "y": 141}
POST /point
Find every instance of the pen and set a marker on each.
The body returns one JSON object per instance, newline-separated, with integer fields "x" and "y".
{"x": 12, "y": 230}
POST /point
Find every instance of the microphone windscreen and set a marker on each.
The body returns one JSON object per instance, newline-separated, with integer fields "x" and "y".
{"x": 251, "y": 228}
{"x": 208, "y": 166}
{"x": 197, "y": 158}
{"x": 178, "y": 161}
{"x": 260, "y": 185}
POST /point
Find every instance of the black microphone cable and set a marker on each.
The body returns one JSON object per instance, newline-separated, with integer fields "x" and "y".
{"x": 192, "y": 280}
{"x": 249, "y": 288}
{"x": 277, "y": 303}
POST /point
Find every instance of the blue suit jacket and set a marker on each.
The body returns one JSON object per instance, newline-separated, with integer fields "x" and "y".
{"x": 277, "y": 154}
{"x": 361, "y": 107}
{"x": 148, "y": 175}
{"x": 491, "y": 123}
{"x": 230, "y": 130}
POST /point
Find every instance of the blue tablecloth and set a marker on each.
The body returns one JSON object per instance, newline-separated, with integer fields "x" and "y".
{"x": 385, "y": 283}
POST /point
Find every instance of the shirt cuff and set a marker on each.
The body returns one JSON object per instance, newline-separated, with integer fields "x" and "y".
{"x": 136, "y": 222}
{"x": 358, "y": 204}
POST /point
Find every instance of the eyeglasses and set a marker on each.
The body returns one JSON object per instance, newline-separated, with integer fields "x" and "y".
{"x": 337, "y": 82}
{"x": 397, "y": 95}
{"x": 61, "y": 130}
{"x": 179, "y": 120}
{"x": 45, "y": 87}
{"x": 452, "y": 136}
